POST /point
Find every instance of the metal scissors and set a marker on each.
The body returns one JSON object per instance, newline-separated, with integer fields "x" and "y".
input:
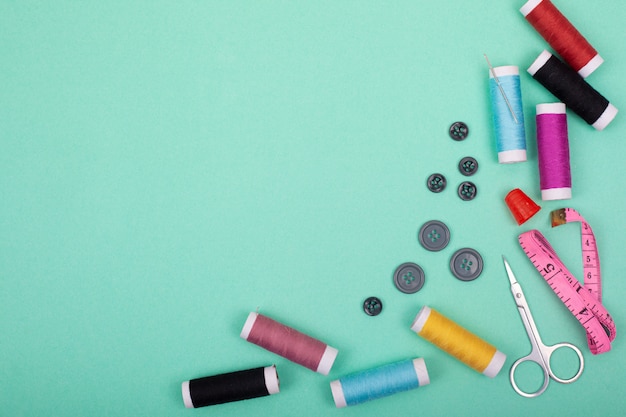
{"x": 540, "y": 353}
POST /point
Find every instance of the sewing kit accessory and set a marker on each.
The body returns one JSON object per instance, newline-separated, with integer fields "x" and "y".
{"x": 573, "y": 90}
{"x": 409, "y": 277}
{"x": 566, "y": 40}
{"x": 434, "y": 235}
{"x": 540, "y": 353}
{"x": 583, "y": 301}
{"x": 521, "y": 206}
{"x": 468, "y": 166}
{"x": 458, "y": 342}
{"x": 436, "y": 183}
{"x": 508, "y": 113}
{"x": 466, "y": 264}
{"x": 372, "y": 306}
{"x": 467, "y": 191}
{"x": 232, "y": 386}
{"x": 555, "y": 177}
{"x": 379, "y": 382}
{"x": 289, "y": 343}
{"x": 458, "y": 131}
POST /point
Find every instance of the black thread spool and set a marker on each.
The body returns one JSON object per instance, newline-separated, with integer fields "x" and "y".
{"x": 229, "y": 387}
{"x": 572, "y": 89}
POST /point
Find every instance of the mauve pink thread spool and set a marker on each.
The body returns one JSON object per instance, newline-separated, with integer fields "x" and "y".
{"x": 289, "y": 343}
{"x": 555, "y": 177}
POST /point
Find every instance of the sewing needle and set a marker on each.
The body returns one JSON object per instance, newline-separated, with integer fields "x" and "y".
{"x": 495, "y": 77}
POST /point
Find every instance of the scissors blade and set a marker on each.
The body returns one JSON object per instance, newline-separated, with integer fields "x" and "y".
{"x": 522, "y": 307}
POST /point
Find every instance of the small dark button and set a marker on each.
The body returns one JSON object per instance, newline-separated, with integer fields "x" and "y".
{"x": 467, "y": 191}
{"x": 372, "y": 306}
{"x": 468, "y": 166}
{"x": 434, "y": 235}
{"x": 458, "y": 131}
{"x": 436, "y": 183}
{"x": 466, "y": 264}
{"x": 409, "y": 278}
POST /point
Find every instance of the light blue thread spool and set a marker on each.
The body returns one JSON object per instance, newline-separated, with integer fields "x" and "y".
{"x": 510, "y": 136}
{"x": 379, "y": 382}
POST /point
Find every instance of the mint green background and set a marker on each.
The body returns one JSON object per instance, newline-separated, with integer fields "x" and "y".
{"x": 167, "y": 167}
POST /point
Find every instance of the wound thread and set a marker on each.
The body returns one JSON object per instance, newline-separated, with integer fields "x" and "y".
{"x": 510, "y": 136}
{"x": 458, "y": 342}
{"x": 573, "y": 90}
{"x": 289, "y": 343}
{"x": 229, "y": 387}
{"x": 555, "y": 178}
{"x": 379, "y": 382}
{"x": 559, "y": 32}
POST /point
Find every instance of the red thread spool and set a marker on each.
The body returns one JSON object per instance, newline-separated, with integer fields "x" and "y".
{"x": 562, "y": 36}
{"x": 289, "y": 343}
{"x": 522, "y": 207}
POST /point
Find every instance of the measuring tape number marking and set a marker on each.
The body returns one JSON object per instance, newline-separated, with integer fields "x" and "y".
{"x": 584, "y": 302}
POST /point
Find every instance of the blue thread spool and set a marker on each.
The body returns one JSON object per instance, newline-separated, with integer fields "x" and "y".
{"x": 510, "y": 136}
{"x": 379, "y": 382}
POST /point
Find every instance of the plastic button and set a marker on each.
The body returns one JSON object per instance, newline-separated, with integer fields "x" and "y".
{"x": 466, "y": 264}
{"x": 434, "y": 235}
{"x": 458, "y": 131}
{"x": 409, "y": 278}
{"x": 436, "y": 183}
{"x": 467, "y": 191}
{"x": 468, "y": 166}
{"x": 372, "y": 306}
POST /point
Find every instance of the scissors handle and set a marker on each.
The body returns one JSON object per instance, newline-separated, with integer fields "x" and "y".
{"x": 541, "y": 356}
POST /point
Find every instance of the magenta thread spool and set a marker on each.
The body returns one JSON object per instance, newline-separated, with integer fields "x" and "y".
{"x": 555, "y": 178}
{"x": 289, "y": 343}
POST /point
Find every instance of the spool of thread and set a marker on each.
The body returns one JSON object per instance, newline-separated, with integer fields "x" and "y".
{"x": 379, "y": 382}
{"x": 555, "y": 178}
{"x": 562, "y": 36}
{"x": 228, "y": 387}
{"x": 510, "y": 135}
{"x": 573, "y": 90}
{"x": 458, "y": 342}
{"x": 289, "y": 343}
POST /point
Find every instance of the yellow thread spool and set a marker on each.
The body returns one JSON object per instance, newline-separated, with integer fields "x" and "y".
{"x": 458, "y": 342}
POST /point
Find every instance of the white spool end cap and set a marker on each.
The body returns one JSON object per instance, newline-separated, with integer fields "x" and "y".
{"x": 328, "y": 358}
{"x": 511, "y": 157}
{"x": 420, "y": 370}
{"x": 420, "y": 319}
{"x": 591, "y": 66}
{"x": 495, "y": 365}
{"x": 186, "y": 395}
{"x": 504, "y": 71}
{"x": 564, "y": 193}
{"x": 539, "y": 62}
{"x": 550, "y": 108}
{"x": 338, "y": 397}
{"x": 529, "y": 6}
{"x": 247, "y": 326}
{"x": 603, "y": 121}
{"x": 271, "y": 379}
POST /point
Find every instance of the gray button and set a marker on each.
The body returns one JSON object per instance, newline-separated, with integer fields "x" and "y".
{"x": 434, "y": 235}
{"x": 466, "y": 264}
{"x": 467, "y": 191}
{"x": 409, "y": 278}
{"x": 436, "y": 183}
{"x": 468, "y": 166}
{"x": 372, "y": 306}
{"x": 458, "y": 131}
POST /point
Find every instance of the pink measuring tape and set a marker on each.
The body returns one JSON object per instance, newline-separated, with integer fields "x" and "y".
{"x": 583, "y": 301}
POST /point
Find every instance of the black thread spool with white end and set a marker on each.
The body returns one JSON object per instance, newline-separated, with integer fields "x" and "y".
{"x": 229, "y": 387}
{"x": 569, "y": 87}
